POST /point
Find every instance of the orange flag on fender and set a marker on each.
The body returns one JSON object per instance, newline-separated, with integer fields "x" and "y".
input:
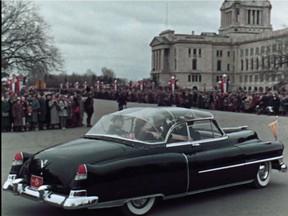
{"x": 273, "y": 126}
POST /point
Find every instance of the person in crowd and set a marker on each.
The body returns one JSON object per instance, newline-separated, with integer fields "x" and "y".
{"x": 54, "y": 112}
{"x": 75, "y": 112}
{"x": 5, "y": 110}
{"x": 17, "y": 111}
{"x": 63, "y": 111}
{"x": 89, "y": 109}
{"x": 42, "y": 112}
{"x": 35, "y": 106}
{"x": 48, "y": 111}
{"x": 69, "y": 121}
{"x": 122, "y": 100}
{"x": 28, "y": 113}
{"x": 81, "y": 106}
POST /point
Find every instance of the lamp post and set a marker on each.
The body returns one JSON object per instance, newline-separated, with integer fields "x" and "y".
{"x": 172, "y": 84}
{"x": 224, "y": 83}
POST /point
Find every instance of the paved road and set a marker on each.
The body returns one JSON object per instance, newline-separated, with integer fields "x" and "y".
{"x": 237, "y": 201}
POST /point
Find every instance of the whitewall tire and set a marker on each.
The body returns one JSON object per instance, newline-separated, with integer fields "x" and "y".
{"x": 263, "y": 175}
{"x": 138, "y": 207}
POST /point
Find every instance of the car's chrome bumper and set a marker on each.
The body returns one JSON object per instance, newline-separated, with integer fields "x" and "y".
{"x": 283, "y": 167}
{"x": 43, "y": 194}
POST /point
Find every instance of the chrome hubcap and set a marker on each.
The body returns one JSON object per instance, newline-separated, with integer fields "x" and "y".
{"x": 264, "y": 171}
{"x": 139, "y": 202}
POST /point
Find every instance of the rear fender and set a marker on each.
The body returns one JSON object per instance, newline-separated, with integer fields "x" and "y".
{"x": 154, "y": 174}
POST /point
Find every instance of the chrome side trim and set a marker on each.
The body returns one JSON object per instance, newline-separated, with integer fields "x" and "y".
{"x": 207, "y": 190}
{"x": 169, "y": 145}
{"x": 121, "y": 202}
{"x": 239, "y": 165}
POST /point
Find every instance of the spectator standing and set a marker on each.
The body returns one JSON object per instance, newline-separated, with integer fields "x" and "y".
{"x": 122, "y": 100}
{"x": 17, "y": 111}
{"x": 35, "y": 106}
{"x": 69, "y": 122}
{"x": 89, "y": 109}
{"x": 63, "y": 112}
{"x": 81, "y": 106}
{"x": 42, "y": 112}
{"x": 5, "y": 109}
{"x": 28, "y": 113}
{"x": 54, "y": 112}
{"x": 75, "y": 112}
{"x": 48, "y": 112}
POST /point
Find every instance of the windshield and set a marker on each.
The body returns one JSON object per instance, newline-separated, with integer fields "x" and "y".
{"x": 149, "y": 125}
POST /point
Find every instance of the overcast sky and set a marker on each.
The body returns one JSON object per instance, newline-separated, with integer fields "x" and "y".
{"x": 116, "y": 34}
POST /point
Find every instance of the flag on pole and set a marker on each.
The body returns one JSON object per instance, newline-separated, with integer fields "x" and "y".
{"x": 273, "y": 126}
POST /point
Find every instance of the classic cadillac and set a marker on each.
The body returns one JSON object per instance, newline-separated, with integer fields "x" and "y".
{"x": 130, "y": 158}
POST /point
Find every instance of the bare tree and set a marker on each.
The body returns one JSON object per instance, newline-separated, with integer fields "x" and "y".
{"x": 26, "y": 45}
{"x": 108, "y": 74}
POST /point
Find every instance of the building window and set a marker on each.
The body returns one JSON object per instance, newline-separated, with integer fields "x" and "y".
{"x": 246, "y": 52}
{"x": 175, "y": 63}
{"x": 219, "y": 65}
{"x": 219, "y": 53}
{"x": 247, "y": 64}
{"x": 199, "y": 52}
{"x": 256, "y": 78}
{"x": 242, "y": 65}
{"x": 240, "y": 78}
{"x": 241, "y": 53}
{"x": 251, "y": 51}
{"x": 250, "y": 78}
{"x": 257, "y": 64}
{"x": 189, "y": 78}
{"x": 189, "y": 52}
{"x": 237, "y": 14}
{"x": 228, "y": 67}
{"x": 194, "y": 64}
{"x": 252, "y": 64}
{"x": 257, "y": 51}
{"x": 228, "y": 53}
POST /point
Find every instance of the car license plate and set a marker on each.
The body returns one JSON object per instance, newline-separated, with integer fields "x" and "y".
{"x": 36, "y": 181}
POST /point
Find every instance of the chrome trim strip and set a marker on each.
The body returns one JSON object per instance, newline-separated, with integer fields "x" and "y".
{"x": 196, "y": 141}
{"x": 207, "y": 190}
{"x": 188, "y": 176}
{"x": 239, "y": 165}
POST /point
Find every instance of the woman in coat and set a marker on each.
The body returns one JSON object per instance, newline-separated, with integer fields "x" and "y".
{"x": 17, "y": 112}
{"x": 54, "y": 112}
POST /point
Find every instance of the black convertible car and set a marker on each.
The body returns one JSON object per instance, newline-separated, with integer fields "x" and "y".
{"x": 130, "y": 158}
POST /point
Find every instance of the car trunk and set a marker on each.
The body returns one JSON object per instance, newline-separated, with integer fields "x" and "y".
{"x": 58, "y": 165}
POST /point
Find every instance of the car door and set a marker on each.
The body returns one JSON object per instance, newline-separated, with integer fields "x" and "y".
{"x": 213, "y": 161}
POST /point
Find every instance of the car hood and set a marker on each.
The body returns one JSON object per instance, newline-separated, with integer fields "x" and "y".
{"x": 58, "y": 164}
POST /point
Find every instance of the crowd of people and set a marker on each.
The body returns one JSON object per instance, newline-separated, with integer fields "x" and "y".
{"x": 61, "y": 109}
{"x": 250, "y": 102}
{"x": 39, "y": 111}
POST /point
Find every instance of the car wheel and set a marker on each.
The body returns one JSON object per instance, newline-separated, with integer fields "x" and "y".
{"x": 263, "y": 175}
{"x": 138, "y": 206}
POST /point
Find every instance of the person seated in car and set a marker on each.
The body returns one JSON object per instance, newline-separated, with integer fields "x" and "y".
{"x": 117, "y": 126}
{"x": 144, "y": 131}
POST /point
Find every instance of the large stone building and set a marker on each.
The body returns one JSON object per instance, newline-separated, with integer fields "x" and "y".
{"x": 246, "y": 49}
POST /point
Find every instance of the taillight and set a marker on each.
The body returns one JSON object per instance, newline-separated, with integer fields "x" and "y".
{"x": 18, "y": 159}
{"x": 81, "y": 172}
